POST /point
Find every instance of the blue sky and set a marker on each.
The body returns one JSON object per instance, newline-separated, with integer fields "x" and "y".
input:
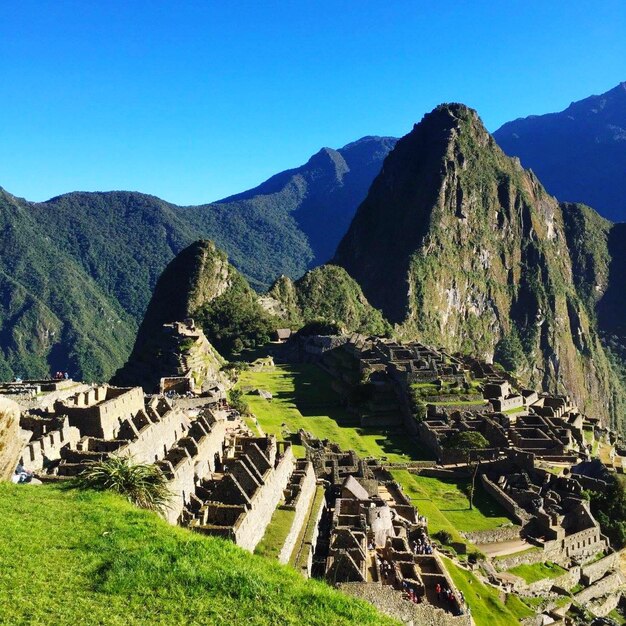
{"x": 192, "y": 101}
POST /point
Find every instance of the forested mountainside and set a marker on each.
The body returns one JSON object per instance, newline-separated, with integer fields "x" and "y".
{"x": 53, "y": 313}
{"x": 106, "y": 251}
{"x": 579, "y": 154}
{"x": 460, "y": 246}
{"x": 322, "y": 195}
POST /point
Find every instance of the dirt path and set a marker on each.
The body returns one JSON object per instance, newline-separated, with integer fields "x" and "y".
{"x": 504, "y": 548}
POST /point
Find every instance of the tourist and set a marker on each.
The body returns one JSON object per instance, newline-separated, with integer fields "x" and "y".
{"x": 438, "y": 590}
{"x": 21, "y": 475}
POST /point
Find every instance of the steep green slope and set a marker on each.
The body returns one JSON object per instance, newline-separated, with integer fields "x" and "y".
{"x": 53, "y": 315}
{"x": 69, "y": 557}
{"x": 465, "y": 249}
{"x": 328, "y": 294}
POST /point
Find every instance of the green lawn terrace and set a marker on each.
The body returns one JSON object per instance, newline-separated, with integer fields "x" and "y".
{"x": 489, "y": 606}
{"x": 533, "y": 572}
{"x": 448, "y": 394}
{"x": 446, "y": 505}
{"x": 303, "y": 397}
{"x": 83, "y": 557}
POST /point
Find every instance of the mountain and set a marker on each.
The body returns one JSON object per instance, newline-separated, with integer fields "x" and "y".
{"x": 202, "y": 285}
{"x": 53, "y": 314}
{"x": 322, "y": 195}
{"x": 329, "y": 294}
{"x": 78, "y": 271}
{"x": 461, "y": 247}
{"x": 579, "y": 154}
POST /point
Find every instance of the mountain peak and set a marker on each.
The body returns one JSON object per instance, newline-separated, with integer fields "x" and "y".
{"x": 449, "y": 244}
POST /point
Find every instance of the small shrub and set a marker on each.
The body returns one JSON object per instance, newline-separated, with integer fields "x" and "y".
{"x": 143, "y": 484}
{"x": 443, "y": 536}
{"x": 475, "y": 557}
{"x": 236, "y": 400}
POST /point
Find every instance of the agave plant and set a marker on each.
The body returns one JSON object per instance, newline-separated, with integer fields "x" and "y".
{"x": 143, "y": 484}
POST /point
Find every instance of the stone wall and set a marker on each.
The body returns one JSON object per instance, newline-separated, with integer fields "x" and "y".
{"x": 527, "y": 557}
{"x": 390, "y": 602}
{"x": 505, "y": 501}
{"x": 10, "y": 441}
{"x": 596, "y": 570}
{"x": 154, "y": 438}
{"x": 49, "y": 446}
{"x": 264, "y": 502}
{"x": 604, "y": 605}
{"x": 99, "y": 411}
{"x": 611, "y": 583}
{"x": 301, "y": 507}
{"x": 496, "y": 535}
{"x": 196, "y": 461}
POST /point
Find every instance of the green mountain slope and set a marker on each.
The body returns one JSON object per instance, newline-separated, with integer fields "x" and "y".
{"x": 53, "y": 315}
{"x": 463, "y": 248}
{"x": 92, "y": 558}
{"x": 327, "y": 293}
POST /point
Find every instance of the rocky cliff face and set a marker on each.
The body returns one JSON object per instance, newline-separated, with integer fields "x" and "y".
{"x": 10, "y": 440}
{"x": 460, "y": 246}
{"x": 199, "y": 275}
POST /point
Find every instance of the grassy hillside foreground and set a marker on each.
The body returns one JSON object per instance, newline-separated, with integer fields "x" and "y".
{"x": 69, "y": 557}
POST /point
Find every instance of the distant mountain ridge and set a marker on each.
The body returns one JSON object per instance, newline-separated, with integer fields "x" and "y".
{"x": 77, "y": 272}
{"x": 323, "y": 194}
{"x": 579, "y": 154}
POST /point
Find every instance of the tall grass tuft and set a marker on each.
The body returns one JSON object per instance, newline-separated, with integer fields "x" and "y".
{"x": 143, "y": 484}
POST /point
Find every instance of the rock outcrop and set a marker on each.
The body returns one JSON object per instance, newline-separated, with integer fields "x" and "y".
{"x": 11, "y": 442}
{"x": 461, "y": 247}
{"x": 168, "y": 342}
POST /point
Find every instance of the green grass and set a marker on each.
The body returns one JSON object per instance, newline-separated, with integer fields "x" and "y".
{"x": 534, "y": 602}
{"x": 446, "y": 505}
{"x": 537, "y": 571}
{"x": 87, "y": 558}
{"x": 518, "y": 607}
{"x": 484, "y": 601}
{"x": 477, "y": 402}
{"x": 303, "y": 398}
{"x": 276, "y": 533}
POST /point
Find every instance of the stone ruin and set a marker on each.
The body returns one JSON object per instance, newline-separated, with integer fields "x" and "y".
{"x": 556, "y": 520}
{"x": 177, "y": 360}
{"x": 222, "y": 479}
{"x": 374, "y": 544}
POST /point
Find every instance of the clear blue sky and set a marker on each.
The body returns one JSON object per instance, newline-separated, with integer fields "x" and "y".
{"x": 196, "y": 100}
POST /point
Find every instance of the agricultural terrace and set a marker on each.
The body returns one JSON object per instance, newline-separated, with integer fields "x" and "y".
{"x": 303, "y": 397}
{"x": 446, "y": 505}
